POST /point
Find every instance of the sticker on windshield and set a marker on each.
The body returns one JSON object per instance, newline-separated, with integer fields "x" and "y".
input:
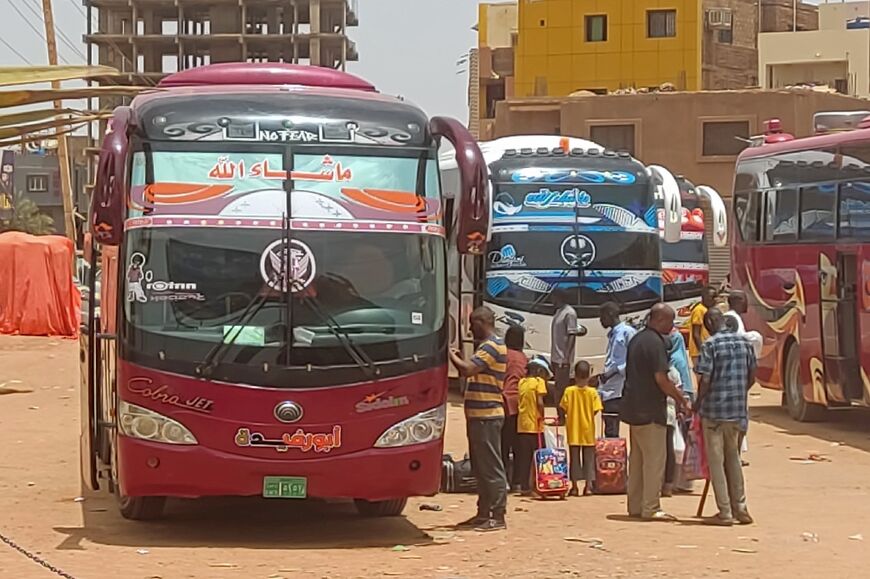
{"x": 417, "y": 318}
{"x": 578, "y": 251}
{"x": 143, "y": 288}
{"x": 302, "y": 266}
{"x": 245, "y": 335}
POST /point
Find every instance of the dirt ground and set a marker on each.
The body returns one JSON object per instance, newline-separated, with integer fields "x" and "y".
{"x": 813, "y": 518}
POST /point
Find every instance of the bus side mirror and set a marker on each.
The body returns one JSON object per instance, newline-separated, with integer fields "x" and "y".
{"x": 473, "y": 223}
{"x": 720, "y": 215}
{"x": 669, "y": 192}
{"x": 108, "y": 205}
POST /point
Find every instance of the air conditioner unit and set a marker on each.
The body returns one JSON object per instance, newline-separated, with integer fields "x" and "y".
{"x": 719, "y": 18}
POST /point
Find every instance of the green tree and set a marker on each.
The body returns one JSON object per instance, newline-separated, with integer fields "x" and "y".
{"x": 28, "y": 218}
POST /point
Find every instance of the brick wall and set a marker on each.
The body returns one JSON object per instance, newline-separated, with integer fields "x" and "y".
{"x": 730, "y": 63}
{"x": 778, "y": 15}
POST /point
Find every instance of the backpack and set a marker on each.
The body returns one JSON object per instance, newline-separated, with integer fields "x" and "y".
{"x": 457, "y": 476}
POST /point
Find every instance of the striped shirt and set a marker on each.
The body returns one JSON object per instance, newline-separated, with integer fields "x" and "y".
{"x": 483, "y": 392}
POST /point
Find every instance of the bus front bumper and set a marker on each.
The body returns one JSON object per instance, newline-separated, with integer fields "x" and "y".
{"x": 154, "y": 469}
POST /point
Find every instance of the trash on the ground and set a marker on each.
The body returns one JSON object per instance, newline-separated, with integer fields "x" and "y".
{"x": 742, "y": 550}
{"x": 857, "y": 537}
{"x": 31, "y": 484}
{"x": 521, "y": 509}
{"x": 810, "y": 458}
{"x": 590, "y": 540}
{"x": 687, "y": 546}
{"x": 392, "y": 573}
{"x": 810, "y": 537}
{"x": 8, "y": 388}
{"x": 444, "y": 568}
{"x": 836, "y": 444}
{"x": 223, "y": 565}
{"x": 430, "y": 507}
{"x": 79, "y": 499}
{"x": 744, "y": 538}
{"x": 142, "y": 551}
{"x": 33, "y": 407}
{"x": 401, "y": 548}
{"x": 410, "y": 557}
{"x": 97, "y": 510}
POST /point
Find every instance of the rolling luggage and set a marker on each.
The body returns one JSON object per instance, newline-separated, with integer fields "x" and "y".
{"x": 457, "y": 476}
{"x": 611, "y": 466}
{"x": 551, "y": 469}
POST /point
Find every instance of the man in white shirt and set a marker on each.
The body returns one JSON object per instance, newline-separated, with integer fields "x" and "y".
{"x": 739, "y": 305}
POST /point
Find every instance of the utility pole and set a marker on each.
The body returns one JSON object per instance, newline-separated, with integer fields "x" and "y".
{"x": 62, "y": 152}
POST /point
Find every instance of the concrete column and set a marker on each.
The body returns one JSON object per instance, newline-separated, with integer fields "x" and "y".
{"x": 315, "y": 32}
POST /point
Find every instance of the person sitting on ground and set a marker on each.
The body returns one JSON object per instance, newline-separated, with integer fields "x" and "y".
{"x": 514, "y": 339}
{"x": 727, "y": 372}
{"x": 581, "y": 404}
{"x": 530, "y": 419}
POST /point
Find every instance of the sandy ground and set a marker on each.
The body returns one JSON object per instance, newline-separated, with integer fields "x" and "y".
{"x": 812, "y": 518}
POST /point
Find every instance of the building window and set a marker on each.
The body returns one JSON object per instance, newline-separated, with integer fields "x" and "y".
{"x": 596, "y": 28}
{"x": 37, "y": 183}
{"x": 614, "y": 137}
{"x": 726, "y": 36}
{"x": 817, "y": 212}
{"x": 781, "y": 215}
{"x": 661, "y": 23}
{"x": 724, "y": 138}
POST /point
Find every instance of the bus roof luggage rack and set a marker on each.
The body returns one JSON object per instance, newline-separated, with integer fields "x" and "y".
{"x": 559, "y": 151}
{"x": 577, "y": 152}
{"x": 510, "y": 153}
{"x": 526, "y": 151}
{"x": 839, "y": 121}
{"x": 593, "y": 152}
{"x": 265, "y": 73}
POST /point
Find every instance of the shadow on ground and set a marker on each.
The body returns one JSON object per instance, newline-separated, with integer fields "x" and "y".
{"x": 850, "y": 427}
{"x": 241, "y": 522}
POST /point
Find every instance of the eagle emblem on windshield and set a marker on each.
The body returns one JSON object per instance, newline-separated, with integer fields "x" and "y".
{"x": 300, "y": 262}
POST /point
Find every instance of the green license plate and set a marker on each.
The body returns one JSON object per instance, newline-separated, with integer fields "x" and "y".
{"x": 285, "y": 487}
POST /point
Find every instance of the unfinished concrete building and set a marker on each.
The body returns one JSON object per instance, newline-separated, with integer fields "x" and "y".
{"x": 147, "y": 39}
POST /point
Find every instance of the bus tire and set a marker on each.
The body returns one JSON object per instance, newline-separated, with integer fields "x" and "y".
{"x": 389, "y": 508}
{"x": 797, "y": 406}
{"x": 141, "y": 508}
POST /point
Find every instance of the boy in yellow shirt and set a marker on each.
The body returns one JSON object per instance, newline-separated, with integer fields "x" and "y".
{"x": 581, "y": 404}
{"x": 530, "y": 419}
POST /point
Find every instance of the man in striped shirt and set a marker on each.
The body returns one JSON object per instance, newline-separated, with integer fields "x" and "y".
{"x": 484, "y": 414}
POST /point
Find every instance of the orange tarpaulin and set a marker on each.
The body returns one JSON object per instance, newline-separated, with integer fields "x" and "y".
{"x": 37, "y": 294}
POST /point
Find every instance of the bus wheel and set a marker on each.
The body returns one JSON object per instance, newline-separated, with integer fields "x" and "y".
{"x": 798, "y": 407}
{"x": 141, "y": 508}
{"x": 390, "y": 508}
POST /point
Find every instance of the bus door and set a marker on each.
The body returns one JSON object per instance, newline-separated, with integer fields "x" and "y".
{"x": 838, "y": 290}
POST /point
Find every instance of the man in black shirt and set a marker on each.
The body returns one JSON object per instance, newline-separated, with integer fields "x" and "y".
{"x": 644, "y": 408}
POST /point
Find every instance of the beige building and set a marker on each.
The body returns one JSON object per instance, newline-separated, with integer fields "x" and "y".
{"x": 837, "y": 54}
{"x": 695, "y": 134}
{"x": 491, "y": 63}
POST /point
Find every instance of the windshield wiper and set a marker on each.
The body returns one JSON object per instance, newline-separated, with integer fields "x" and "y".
{"x": 356, "y": 353}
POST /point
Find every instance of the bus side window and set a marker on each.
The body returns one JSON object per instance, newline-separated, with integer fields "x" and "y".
{"x": 855, "y": 209}
{"x": 817, "y": 212}
{"x": 746, "y": 214}
{"x": 780, "y": 223}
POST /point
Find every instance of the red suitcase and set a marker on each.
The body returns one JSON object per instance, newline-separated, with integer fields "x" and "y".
{"x": 611, "y": 466}
{"x": 551, "y": 471}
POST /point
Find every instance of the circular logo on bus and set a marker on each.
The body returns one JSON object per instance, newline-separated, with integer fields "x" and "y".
{"x": 578, "y": 251}
{"x": 288, "y": 412}
{"x": 300, "y": 261}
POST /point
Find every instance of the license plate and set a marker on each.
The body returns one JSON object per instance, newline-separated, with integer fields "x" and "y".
{"x": 285, "y": 487}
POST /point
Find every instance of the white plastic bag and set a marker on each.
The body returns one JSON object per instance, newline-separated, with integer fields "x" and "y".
{"x": 679, "y": 446}
{"x": 553, "y": 438}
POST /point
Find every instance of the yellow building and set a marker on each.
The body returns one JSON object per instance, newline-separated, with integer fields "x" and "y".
{"x": 603, "y": 45}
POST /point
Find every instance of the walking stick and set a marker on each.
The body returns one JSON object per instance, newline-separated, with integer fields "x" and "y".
{"x": 706, "y": 490}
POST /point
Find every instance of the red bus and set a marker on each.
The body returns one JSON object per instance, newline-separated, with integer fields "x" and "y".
{"x": 801, "y": 253}
{"x": 273, "y": 314}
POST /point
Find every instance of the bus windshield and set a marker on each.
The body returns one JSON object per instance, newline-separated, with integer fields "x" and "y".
{"x": 207, "y": 237}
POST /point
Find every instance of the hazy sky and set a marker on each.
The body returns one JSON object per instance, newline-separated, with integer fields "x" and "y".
{"x": 407, "y": 47}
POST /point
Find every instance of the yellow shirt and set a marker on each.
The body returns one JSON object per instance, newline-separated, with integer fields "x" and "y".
{"x": 697, "y": 319}
{"x": 529, "y": 419}
{"x": 581, "y": 404}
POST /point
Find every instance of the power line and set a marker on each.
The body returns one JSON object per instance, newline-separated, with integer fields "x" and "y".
{"x": 37, "y": 12}
{"x": 13, "y": 49}
{"x": 78, "y": 7}
{"x": 30, "y": 24}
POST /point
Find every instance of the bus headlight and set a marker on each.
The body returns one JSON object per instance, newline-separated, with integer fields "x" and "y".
{"x": 137, "y": 422}
{"x": 420, "y": 428}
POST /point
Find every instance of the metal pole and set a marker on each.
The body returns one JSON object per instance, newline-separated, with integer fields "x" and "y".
{"x": 794, "y": 16}
{"x": 62, "y": 153}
